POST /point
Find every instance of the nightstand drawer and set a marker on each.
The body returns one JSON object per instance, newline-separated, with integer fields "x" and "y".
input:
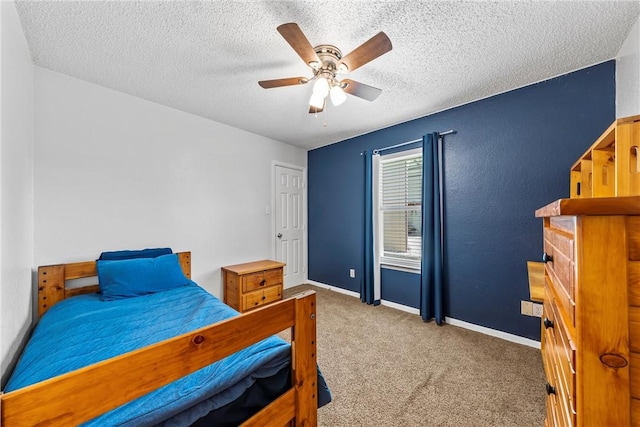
{"x": 262, "y": 279}
{"x": 259, "y": 298}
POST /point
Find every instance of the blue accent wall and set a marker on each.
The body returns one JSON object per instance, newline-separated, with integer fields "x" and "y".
{"x": 511, "y": 155}
{"x": 401, "y": 287}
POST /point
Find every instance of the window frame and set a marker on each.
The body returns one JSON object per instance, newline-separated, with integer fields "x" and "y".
{"x": 385, "y": 260}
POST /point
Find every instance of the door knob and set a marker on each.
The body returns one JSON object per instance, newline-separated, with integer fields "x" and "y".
{"x": 279, "y": 236}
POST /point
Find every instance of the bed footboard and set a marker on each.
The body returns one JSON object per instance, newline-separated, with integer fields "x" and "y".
{"x": 104, "y": 386}
{"x": 299, "y": 403}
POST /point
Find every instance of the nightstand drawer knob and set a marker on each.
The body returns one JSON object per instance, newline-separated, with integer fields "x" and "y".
{"x": 547, "y": 323}
{"x": 547, "y": 258}
{"x": 264, "y": 297}
{"x": 550, "y": 389}
{"x": 262, "y": 283}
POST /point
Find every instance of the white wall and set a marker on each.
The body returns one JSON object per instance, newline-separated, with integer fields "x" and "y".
{"x": 16, "y": 186}
{"x": 628, "y": 75}
{"x": 113, "y": 171}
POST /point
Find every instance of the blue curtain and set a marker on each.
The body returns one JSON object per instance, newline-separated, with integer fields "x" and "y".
{"x": 366, "y": 284}
{"x": 432, "y": 282}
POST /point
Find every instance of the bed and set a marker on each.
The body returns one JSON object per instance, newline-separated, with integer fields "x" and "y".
{"x": 158, "y": 358}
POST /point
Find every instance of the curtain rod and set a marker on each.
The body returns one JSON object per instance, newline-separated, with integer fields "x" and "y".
{"x": 448, "y": 132}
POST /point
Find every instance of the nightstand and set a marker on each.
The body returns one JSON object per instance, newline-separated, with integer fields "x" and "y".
{"x": 253, "y": 284}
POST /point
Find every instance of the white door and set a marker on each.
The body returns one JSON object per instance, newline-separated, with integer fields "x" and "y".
{"x": 289, "y": 226}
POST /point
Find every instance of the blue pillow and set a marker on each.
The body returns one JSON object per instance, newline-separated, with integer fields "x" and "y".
{"x": 139, "y": 253}
{"x": 120, "y": 279}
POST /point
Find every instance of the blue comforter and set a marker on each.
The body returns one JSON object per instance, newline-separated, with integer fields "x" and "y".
{"x": 84, "y": 330}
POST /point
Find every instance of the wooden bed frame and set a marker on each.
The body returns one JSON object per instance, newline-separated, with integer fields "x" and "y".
{"x": 84, "y": 394}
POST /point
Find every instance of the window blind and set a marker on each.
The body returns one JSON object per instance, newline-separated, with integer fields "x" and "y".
{"x": 401, "y": 210}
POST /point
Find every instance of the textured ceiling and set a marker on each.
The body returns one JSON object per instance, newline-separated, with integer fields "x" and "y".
{"x": 206, "y": 58}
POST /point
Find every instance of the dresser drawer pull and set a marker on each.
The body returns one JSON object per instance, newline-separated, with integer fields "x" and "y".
{"x": 547, "y": 323}
{"x": 263, "y": 282}
{"x": 550, "y": 389}
{"x": 264, "y": 297}
{"x": 547, "y": 258}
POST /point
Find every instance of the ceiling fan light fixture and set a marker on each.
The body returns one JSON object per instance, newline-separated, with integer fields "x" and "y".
{"x": 317, "y": 100}
{"x": 342, "y": 68}
{"x": 337, "y": 95}
{"x": 321, "y": 87}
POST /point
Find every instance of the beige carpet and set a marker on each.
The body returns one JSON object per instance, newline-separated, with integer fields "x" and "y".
{"x": 388, "y": 368}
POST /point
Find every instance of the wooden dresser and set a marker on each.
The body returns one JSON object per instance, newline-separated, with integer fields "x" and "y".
{"x": 591, "y": 312}
{"x": 253, "y": 284}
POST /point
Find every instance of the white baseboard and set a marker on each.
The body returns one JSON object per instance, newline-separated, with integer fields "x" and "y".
{"x": 401, "y": 307}
{"x": 334, "y": 288}
{"x": 448, "y": 320}
{"x": 493, "y": 332}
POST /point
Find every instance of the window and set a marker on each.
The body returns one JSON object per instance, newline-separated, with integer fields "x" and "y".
{"x": 400, "y": 209}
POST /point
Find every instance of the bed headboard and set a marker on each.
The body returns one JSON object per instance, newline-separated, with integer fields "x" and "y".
{"x": 52, "y": 280}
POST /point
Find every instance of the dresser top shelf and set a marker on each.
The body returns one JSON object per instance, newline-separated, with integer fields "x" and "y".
{"x": 252, "y": 267}
{"x": 592, "y": 206}
{"x": 605, "y": 140}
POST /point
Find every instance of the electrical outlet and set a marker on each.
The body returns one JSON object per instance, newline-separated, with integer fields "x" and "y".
{"x": 537, "y": 310}
{"x": 352, "y": 273}
{"x": 526, "y": 308}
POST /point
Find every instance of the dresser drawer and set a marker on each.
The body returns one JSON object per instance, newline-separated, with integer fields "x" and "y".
{"x": 562, "y": 240}
{"x": 547, "y": 357}
{"x": 559, "y": 259}
{"x": 565, "y": 380}
{"x": 559, "y": 409}
{"x": 563, "y": 303}
{"x": 553, "y": 410}
{"x": 565, "y": 411}
{"x": 566, "y": 224}
{"x": 559, "y": 359}
{"x": 565, "y": 363}
{"x": 262, "y": 279}
{"x": 261, "y": 297}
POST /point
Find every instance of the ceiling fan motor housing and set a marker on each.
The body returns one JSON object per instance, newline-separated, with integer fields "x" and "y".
{"x": 330, "y": 57}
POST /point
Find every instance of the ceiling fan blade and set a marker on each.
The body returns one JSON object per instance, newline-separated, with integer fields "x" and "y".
{"x": 314, "y": 110}
{"x": 289, "y": 81}
{"x": 361, "y": 90}
{"x": 298, "y": 41}
{"x": 376, "y": 46}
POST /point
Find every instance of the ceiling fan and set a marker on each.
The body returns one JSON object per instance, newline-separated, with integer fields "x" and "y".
{"x": 326, "y": 62}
